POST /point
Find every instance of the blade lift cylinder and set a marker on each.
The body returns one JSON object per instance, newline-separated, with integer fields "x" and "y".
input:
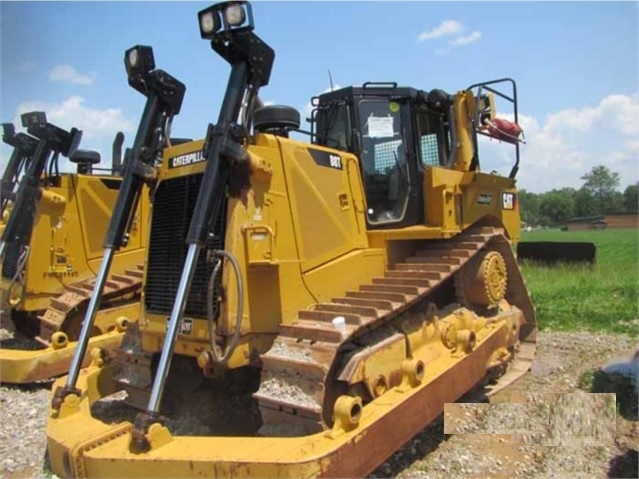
{"x": 164, "y": 99}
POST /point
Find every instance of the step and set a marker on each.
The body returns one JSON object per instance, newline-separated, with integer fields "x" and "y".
{"x": 52, "y": 316}
{"x": 491, "y": 230}
{"x": 434, "y": 260}
{"x": 327, "y": 316}
{"x": 123, "y": 279}
{"x": 388, "y": 296}
{"x": 309, "y": 369}
{"x": 435, "y": 275}
{"x": 381, "y": 304}
{"x": 423, "y": 283}
{"x": 446, "y": 253}
{"x": 435, "y": 268}
{"x": 341, "y": 309}
{"x": 386, "y": 288}
{"x": 109, "y": 283}
{"x": 49, "y": 323}
{"x": 314, "y": 331}
{"x": 471, "y": 245}
{"x": 137, "y": 273}
{"x": 80, "y": 291}
{"x": 60, "y": 304}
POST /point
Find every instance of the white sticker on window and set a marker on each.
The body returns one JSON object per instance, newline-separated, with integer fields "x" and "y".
{"x": 380, "y": 126}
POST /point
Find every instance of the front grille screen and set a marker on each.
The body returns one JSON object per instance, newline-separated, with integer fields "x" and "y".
{"x": 173, "y": 206}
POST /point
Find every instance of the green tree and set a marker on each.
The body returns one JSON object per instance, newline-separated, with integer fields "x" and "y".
{"x": 529, "y": 207}
{"x": 630, "y": 198}
{"x": 586, "y": 204}
{"x": 615, "y": 203}
{"x": 602, "y": 183}
{"x": 557, "y": 206}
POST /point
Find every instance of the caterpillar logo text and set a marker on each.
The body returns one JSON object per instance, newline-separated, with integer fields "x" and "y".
{"x": 186, "y": 160}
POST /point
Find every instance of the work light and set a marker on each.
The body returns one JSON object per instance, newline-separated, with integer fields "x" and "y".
{"x": 139, "y": 60}
{"x": 8, "y": 130}
{"x": 224, "y": 17}
{"x": 209, "y": 23}
{"x": 234, "y": 15}
{"x": 133, "y": 58}
{"x": 33, "y": 118}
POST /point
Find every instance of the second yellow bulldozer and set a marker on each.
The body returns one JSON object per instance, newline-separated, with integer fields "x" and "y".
{"x": 308, "y": 306}
{"x": 51, "y": 247}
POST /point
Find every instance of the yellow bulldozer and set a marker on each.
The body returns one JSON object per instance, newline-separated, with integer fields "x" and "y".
{"x": 50, "y": 250}
{"x": 308, "y": 305}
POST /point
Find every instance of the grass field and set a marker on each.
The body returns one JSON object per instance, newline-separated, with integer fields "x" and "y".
{"x": 602, "y": 297}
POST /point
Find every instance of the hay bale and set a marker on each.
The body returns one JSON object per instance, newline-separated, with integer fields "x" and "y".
{"x": 553, "y": 252}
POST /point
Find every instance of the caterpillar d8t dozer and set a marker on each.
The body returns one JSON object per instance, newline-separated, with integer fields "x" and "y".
{"x": 50, "y": 251}
{"x": 308, "y": 306}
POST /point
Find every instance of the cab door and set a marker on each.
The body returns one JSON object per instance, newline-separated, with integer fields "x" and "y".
{"x": 392, "y": 180}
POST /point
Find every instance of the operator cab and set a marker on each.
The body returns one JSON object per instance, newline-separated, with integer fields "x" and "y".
{"x": 395, "y": 132}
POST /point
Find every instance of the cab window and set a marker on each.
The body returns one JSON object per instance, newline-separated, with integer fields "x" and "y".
{"x": 434, "y": 138}
{"x": 334, "y": 127}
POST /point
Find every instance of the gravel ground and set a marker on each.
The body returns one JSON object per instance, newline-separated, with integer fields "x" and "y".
{"x": 542, "y": 426}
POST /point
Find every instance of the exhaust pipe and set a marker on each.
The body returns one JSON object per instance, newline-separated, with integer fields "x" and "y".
{"x": 116, "y": 155}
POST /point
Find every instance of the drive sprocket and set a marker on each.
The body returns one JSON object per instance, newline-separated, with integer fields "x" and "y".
{"x": 483, "y": 282}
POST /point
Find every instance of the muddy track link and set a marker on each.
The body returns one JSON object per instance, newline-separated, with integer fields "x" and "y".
{"x": 299, "y": 370}
{"x": 76, "y": 299}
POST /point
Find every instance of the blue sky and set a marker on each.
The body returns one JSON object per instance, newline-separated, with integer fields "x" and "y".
{"x": 575, "y": 63}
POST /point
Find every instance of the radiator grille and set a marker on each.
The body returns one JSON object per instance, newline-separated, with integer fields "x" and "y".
{"x": 11, "y": 257}
{"x": 173, "y": 206}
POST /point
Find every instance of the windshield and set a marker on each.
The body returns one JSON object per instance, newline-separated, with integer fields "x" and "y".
{"x": 383, "y": 160}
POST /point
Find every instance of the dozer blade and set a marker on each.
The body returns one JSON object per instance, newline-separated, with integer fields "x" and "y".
{"x": 80, "y": 445}
{"x": 50, "y": 353}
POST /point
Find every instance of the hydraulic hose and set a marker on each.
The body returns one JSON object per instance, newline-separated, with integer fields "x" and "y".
{"x": 22, "y": 260}
{"x": 216, "y": 353}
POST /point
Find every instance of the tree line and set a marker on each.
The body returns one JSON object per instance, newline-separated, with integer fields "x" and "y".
{"x": 598, "y": 195}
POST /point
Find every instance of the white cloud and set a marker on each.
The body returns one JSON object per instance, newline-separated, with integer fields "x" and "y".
{"x": 447, "y": 27}
{"x": 98, "y": 126}
{"x": 69, "y": 74}
{"x": 465, "y": 40}
{"x": 569, "y": 143}
{"x": 72, "y": 112}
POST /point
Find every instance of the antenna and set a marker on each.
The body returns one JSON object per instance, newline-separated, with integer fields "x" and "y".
{"x": 330, "y": 78}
